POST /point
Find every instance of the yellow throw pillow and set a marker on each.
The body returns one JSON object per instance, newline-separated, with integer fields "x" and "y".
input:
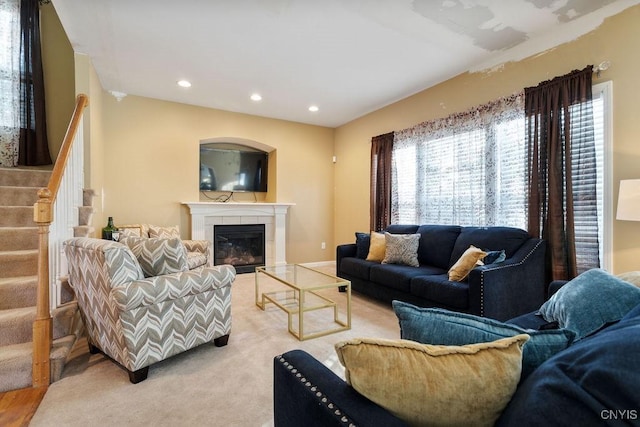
{"x": 435, "y": 385}
{"x": 469, "y": 259}
{"x": 377, "y": 247}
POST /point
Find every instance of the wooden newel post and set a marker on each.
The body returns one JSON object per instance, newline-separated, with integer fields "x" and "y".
{"x": 43, "y": 325}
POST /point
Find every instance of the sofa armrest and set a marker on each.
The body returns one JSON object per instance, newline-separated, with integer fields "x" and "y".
{"x": 199, "y": 246}
{"x": 511, "y": 288}
{"x": 307, "y": 393}
{"x": 154, "y": 290}
{"x": 343, "y": 251}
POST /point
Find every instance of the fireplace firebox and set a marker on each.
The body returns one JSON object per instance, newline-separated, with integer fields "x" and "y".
{"x": 240, "y": 245}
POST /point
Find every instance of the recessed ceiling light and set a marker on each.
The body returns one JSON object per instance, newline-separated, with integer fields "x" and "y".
{"x": 184, "y": 83}
{"x": 256, "y": 97}
{"x": 313, "y": 108}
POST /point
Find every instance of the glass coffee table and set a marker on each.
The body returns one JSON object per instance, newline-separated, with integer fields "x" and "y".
{"x": 303, "y": 292}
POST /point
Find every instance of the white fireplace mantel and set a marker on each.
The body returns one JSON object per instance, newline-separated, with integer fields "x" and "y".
{"x": 205, "y": 215}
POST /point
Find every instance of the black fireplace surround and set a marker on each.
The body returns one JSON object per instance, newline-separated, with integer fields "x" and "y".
{"x": 241, "y": 245}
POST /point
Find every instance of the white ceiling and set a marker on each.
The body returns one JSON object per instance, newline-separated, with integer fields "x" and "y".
{"x": 348, "y": 57}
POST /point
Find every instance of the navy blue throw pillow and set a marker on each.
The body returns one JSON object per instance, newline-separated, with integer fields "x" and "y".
{"x": 363, "y": 241}
{"x": 494, "y": 257}
{"x": 592, "y": 383}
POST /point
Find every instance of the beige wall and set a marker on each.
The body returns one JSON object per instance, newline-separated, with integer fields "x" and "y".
{"x": 57, "y": 62}
{"x": 150, "y": 161}
{"x": 615, "y": 40}
{"x": 142, "y": 153}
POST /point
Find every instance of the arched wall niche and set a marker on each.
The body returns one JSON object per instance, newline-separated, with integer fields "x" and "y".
{"x": 242, "y": 141}
{"x": 271, "y": 194}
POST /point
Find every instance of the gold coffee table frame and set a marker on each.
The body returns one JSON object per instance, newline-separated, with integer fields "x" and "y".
{"x": 303, "y": 281}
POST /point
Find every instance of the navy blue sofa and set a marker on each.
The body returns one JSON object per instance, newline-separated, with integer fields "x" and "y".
{"x": 501, "y": 291}
{"x": 591, "y": 383}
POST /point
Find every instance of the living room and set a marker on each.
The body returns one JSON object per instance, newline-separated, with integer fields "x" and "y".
{"x": 143, "y": 152}
{"x": 150, "y": 138}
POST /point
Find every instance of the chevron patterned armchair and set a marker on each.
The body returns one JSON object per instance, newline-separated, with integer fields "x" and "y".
{"x": 142, "y": 304}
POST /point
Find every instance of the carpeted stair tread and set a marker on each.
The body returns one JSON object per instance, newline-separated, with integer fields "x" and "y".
{"x": 16, "y": 362}
{"x": 18, "y": 279}
{"x": 83, "y": 231}
{"x": 18, "y": 196}
{"x": 85, "y": 214}
{"x": 16, "y": 324}
{"x": 17, "y": 292}
{"x": 16, "y": 216}
{"x": 18, "y": 263}
{"x": 87, "y": 196}
{"x": 24, "y": 177}
{"x": 16, "y": 238}
{"x": 15, "y": 366}
{"x": 60, "y": 351}
{"x": 67, "y": 294}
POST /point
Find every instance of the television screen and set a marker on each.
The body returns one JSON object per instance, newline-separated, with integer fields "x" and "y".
{"x": 232, "y": 167}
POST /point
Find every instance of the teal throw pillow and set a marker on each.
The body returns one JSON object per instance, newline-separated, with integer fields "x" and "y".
{"x": 592, "y": 300}
{"x": 443, "y": 327}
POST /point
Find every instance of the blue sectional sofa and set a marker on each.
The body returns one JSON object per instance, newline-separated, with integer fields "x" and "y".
{"x": 590, "y": 380}
{"x": 501, "y": 290}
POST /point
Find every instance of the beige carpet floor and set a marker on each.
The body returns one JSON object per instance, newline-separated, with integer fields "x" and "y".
{"x": 206, "y": 386}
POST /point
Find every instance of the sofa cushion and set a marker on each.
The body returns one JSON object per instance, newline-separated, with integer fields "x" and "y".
{"x": 362, "y": 244}
{"x": 435, "y": 385}
{"x": 436, "y": 244}
{"x": 196, "y": 259}
{"x": 593, "y": 382}
{"x": 439, "y": 289}
{"x": 164, "y": 232}
{"x": 401, "y": 229}
{"x": 490, "y": 239}
{"x": 158, "y": 256}
{"x": 401, "y": 249}
{"x": 444, "y": 327}
{"x": 397, "y": 276}
{"x": 377, "y": 247}
{"x": 467, "y": 261}
{"x": 356, "y": 267}
{"x": 590, "y": 301}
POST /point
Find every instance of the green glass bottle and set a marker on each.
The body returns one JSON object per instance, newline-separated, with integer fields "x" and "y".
{"x": 107, "y": 232}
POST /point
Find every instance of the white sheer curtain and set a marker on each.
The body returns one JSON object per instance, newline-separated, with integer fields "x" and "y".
{"x": 9, "y": 82}
{"x": 465, "y": 169}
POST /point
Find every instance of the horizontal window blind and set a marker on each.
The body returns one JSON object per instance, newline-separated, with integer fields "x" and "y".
{"x": 473, "y": 172}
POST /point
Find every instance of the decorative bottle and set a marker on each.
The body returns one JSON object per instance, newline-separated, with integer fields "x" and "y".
{"x": 107, "y": 232}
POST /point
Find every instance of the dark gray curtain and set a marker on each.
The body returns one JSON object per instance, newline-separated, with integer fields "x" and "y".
{"x": 562, "y": 171}
{"x": 34, "y": 146}
{"x": 381, "y": 151}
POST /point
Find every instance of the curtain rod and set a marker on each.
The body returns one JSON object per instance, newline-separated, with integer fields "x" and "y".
{"x": 603, "y": 66}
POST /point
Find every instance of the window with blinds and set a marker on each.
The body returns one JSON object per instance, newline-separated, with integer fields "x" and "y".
{"x": 469, "y": 174}
{"x": 476, "y": 175}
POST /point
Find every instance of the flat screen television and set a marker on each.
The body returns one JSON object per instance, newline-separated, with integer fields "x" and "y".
{"x": 232, "y": 167}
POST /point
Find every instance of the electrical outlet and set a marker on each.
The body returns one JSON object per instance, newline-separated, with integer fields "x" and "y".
{"x": 323, "y": 245}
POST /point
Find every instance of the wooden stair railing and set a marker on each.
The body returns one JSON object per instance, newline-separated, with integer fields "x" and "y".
{"x": 43, "y": 216}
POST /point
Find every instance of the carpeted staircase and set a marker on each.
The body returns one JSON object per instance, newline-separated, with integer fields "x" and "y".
{"x": 18, "y": 280}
